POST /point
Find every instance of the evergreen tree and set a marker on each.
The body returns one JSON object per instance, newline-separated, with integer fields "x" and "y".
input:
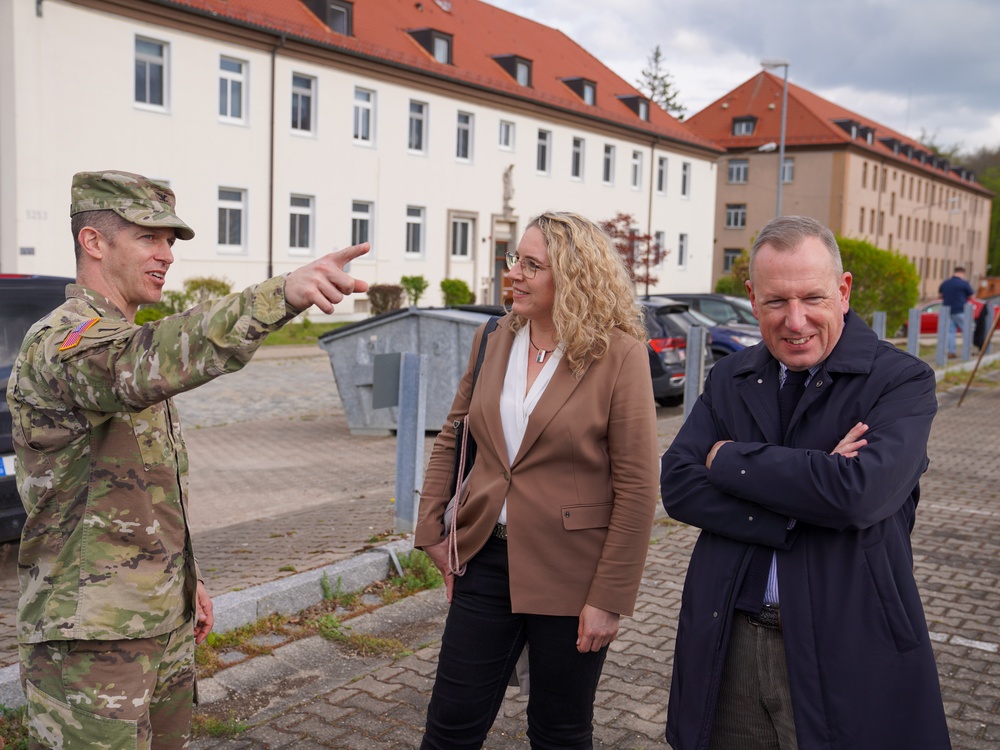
{"x": 656, "y": 82}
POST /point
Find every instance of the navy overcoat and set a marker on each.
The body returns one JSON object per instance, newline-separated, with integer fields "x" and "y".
{"x": 860, "y": 665}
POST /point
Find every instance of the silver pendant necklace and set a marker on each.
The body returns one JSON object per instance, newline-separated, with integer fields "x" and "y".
{"x": 541, "y": 352}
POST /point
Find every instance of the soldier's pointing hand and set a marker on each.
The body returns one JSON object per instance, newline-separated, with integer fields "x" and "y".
{"x": 324, "y": 282}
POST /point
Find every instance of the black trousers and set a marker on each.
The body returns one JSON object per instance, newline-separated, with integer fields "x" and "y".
{"x": 481, "y": 644}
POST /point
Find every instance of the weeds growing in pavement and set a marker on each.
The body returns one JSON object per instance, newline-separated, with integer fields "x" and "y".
{"x": 13, "y": 733}
{"x": 209, "y": 726}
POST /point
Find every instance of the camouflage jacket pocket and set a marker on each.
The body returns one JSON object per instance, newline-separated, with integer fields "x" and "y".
{"x": 152, "y": 433}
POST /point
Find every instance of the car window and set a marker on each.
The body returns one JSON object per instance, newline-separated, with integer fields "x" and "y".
{"x": 19, "y": 310}
{"x": 744, "y": 314}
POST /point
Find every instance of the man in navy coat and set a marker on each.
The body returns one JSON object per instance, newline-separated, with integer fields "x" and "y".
{"x": 801, "y": 625}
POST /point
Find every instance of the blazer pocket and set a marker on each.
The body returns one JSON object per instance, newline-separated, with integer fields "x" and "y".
{"x": 594, "y": 516}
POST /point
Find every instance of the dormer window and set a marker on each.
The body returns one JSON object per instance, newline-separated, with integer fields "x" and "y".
{"x": 583, "y": 88}
{"x": 437, "y": 43}
{"x": 848, "y": 126}
{"x": 890, "y": 143}
{"x": 518, "y": 68}
{"x": 337, "y": 14}
{"x": 744, "y": 125}
{"x": 638, "y": 104}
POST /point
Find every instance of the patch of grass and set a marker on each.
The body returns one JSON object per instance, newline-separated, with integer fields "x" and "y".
{"x": 13, "y": 733}
{"x": 419, "y": 573}
{"x": 208, "y": 726}
{"x": 336, "y": 596}
{"x": 303, "y": 332}
{"x": 287, "y": 569}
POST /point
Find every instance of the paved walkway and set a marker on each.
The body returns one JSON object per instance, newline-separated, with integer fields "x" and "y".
{"x": 294, "y": 451}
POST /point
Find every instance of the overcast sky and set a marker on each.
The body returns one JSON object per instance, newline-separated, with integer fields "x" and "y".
{"x": 912, "y": 65}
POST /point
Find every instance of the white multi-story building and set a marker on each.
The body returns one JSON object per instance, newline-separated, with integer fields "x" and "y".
{"x": 288, "y": 128}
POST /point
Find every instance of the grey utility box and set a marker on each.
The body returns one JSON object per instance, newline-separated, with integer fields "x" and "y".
{"x": 443, "y": 334}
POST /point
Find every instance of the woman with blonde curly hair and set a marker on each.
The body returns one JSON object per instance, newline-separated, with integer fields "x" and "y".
{"x": 552, "y": 528}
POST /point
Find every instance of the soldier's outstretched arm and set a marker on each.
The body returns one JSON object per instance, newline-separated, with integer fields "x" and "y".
{"x": 324, "y": 282}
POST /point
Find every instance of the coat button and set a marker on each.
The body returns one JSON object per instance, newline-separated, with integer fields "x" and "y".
{"x": 819, "y": 383}
{"x": 743, "y": 471}
{"x": 506, "y": 476}
{"x": 566, "y": 513}
{"x": 715, "y": 614}
{"x": 750, "y": 518}
{"x": 759, "y": 381}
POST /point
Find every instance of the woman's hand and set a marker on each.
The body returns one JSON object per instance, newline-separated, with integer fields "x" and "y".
{"x": 597, "y": 629}
{"x": 438, "y": 553}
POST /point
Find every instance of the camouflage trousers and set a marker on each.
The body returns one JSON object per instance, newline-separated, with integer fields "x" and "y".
{"x": 119, "y": 695}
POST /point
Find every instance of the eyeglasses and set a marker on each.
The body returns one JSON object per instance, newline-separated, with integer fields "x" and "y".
{"x": 528, "y": 267}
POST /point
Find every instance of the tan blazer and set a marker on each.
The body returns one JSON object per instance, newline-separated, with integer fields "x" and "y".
{"x": 580, "y": 493}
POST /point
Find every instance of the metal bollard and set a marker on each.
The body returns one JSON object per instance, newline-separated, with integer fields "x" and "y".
{"x": 694, "y": 367}
{"x": 968, "y": 327}
{"x": 944, "y": 322}
{"x": 878, "y": 324}
{"x": 913, "y": 332}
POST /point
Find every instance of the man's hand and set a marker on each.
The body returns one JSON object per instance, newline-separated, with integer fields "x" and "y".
{"x": 438, "y": 553}
{"x": 711, "y": 453}
{"x": 204, "y": 619}
{"x": 851, "y": 442}
{"x": 597, "y": 629}
{"x": 323, "y": 282}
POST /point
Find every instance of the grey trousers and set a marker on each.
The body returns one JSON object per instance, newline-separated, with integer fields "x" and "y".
{"x": 755, "y": 705}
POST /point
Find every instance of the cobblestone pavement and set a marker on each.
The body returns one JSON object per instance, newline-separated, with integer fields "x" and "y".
{"x": 340, "y": 486}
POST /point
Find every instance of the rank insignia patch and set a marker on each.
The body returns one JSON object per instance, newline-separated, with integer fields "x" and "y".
{"x": 76, "y": 334}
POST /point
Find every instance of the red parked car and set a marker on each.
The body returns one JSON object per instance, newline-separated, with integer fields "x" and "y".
{"x": 930, "y": 313}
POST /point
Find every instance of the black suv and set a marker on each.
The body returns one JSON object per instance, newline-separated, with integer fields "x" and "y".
{"x": 23, "y": 300}
{"x": 668, "y": 322}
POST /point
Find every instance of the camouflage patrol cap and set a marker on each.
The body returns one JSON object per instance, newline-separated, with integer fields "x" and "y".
{"x": 135, "y": 198}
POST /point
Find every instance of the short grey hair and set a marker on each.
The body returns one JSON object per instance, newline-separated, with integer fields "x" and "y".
{"x": 788, "y": 232}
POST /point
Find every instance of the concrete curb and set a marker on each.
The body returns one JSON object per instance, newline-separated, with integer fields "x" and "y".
{"x": 287, "y": 596}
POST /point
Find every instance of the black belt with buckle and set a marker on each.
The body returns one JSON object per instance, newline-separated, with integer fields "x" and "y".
{"x": 768, "y": 617}
{"x": 500, "y": 531}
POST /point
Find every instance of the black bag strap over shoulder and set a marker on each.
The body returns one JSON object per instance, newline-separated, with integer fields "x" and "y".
{"x": 491, "y": 325}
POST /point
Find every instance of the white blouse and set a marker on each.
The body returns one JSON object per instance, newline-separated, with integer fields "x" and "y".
{"x": 516, "y": 402}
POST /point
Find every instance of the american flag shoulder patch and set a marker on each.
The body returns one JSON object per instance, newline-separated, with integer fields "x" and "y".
{"x": 74, "y": 336}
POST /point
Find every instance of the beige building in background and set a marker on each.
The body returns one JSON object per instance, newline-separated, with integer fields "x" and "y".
{"x": 862, "y": 179}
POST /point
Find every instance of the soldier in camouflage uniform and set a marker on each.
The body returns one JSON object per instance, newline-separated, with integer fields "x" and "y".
{"x": 111, "y": 605}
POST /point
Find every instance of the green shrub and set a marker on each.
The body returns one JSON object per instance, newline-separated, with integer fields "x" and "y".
{"x": 883, "y": 280}
{"x": 456, "y": 292}
{"x": 197, "y": 289}
{"x": 385, "y": 297}
{"x": 414, "y": 286}
{"x": 734, "y": 282}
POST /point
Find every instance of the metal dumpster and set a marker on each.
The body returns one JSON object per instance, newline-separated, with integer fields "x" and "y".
{"x": 443, "y": 334}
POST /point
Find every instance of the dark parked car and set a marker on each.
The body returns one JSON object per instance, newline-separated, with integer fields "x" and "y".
{"x": 722, "y": 308}
{"x": 668, "y": 323}
{"x": 23, "y": 300}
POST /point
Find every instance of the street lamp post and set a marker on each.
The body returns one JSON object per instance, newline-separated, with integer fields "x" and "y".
{"x": 770, "y": 64}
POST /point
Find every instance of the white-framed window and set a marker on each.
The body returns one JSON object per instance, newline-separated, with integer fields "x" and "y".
{"x": 729, "y": 256}
{"x": 744, "y": 125}
{"x": 660, "y": 243}
{"x": 736, "y": 215}
{"x": 339, "y": 16}
{"x": 661, "y": 175}
{"x": 589, "y": 93}
{"x": 362, "y": 214}
{"x": 608, "y": 170}
{"x": 232, "y": 218}
{"x": 739, "y": 171}
{"x": 232, "y": 85}
{"x": 576, "y": 162}
{"x": 506, "y": 141}
{"x": 463, "y": 137}
{"x": 682, "y": 251}
{"x": 463, "y": 233}
{"x": 635, "y": 173}
{"x": 303, "y": 91}
{"x": 522, "y": 72}
{"x": 442, "y": 48}
{"x": 300, "y": 225}
{"x": 685, "y": 179}
{"x": 417, "y": 136}
{"x": 364, "y": 116}
{"x": 543, "y": 156}
{"x": 788, "y": 169}
{"x": 643, "y": 110}
{"x": 151, "y": 73}
{"x": 414, "y": 230}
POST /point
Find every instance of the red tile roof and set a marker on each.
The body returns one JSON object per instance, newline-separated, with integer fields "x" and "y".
{"x": 810, "y": 122}
{"x": 480, "y": 32}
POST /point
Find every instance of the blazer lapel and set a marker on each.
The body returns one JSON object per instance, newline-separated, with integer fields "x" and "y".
{"x": 559, "y": 389}
{"x": 490, "y": 385}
